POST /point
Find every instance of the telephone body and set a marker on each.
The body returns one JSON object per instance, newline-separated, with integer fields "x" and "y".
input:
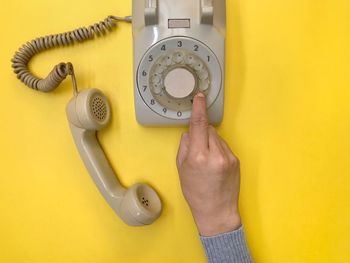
{"x": 179, "y": 50}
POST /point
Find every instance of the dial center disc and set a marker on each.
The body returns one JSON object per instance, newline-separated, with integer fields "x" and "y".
{"x": 179, "y": 83}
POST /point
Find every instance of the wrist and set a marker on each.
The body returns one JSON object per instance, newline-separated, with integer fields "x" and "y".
{"x": 211, "y": 225}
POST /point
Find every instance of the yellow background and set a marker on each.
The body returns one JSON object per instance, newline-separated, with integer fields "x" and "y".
{"x": 286, "y": 116}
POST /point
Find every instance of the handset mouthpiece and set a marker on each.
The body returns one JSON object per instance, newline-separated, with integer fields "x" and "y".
{"x": 140, "y": 206}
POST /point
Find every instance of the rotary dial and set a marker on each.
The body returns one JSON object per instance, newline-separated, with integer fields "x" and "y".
{"x": 173, "y": 71}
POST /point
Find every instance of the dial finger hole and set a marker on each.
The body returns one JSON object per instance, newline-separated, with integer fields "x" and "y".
{"x": 157, "y": 89}
{"x": 178, "y": 57}
{"x": 198, "y": 66}
{"x": 189, "y": 59}
{"x": 167, "y": 61}
{"x": 203, "y": 74}
{"x": 159, "y": 68}
{"x": 156, "y": 78}
{"x": 204, "y": 85}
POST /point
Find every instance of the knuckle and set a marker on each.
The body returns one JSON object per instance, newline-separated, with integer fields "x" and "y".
{"x": 197, "y": 160}
{"x": 222, "y": 164}
{"x": 234, "y": 161}
{"x": 200, "y": 120}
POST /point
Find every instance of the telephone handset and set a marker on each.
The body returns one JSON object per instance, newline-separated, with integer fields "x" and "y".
{"x": 88, "y": 112}
{"x": 178, "y": 51}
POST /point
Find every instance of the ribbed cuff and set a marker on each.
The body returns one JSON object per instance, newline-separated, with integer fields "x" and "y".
{"x": 227, "y": 248}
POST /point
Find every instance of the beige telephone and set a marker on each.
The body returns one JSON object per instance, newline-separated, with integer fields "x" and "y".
{"x": 178, "y": 51}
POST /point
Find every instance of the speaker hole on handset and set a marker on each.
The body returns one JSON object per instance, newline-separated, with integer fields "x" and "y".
{"x": 99, "y": 108}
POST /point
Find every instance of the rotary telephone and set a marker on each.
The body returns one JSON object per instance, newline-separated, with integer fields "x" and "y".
{"x": 178, "y": 52}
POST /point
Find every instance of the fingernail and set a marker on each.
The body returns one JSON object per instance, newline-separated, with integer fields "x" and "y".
{"x": 200, "y": 95}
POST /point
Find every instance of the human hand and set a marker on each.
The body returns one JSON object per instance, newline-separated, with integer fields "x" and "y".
{"x": 209, "y": 175}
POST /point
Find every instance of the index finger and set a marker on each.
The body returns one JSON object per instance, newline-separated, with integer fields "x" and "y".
{"x": 199, "y": 123}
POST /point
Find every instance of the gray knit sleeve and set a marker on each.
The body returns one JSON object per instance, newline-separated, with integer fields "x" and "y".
{"x": 227, "y": 248}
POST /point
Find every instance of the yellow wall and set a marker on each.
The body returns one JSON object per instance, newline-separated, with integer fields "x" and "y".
{"x": 286, "y": 116}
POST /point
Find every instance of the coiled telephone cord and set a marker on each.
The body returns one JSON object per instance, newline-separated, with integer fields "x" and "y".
{"x": 62, "y": 70}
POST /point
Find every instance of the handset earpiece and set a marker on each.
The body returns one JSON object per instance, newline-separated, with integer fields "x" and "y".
{"x": 88, "y": 112}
